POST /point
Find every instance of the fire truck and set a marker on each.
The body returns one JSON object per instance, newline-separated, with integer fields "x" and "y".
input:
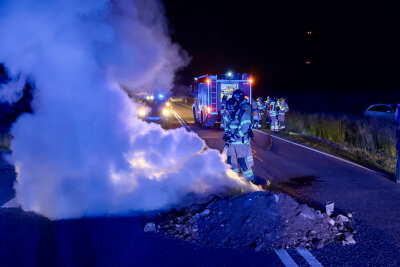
{"x": 208, "y": 91}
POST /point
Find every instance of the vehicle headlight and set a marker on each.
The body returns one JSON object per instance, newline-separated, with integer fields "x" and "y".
{"x": 165, "y": 112}
{"x": 142, "y": 112}
{"x": 168, "y": 104}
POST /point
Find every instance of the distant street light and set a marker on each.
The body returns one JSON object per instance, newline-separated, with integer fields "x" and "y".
{"x": 229, "y": 73}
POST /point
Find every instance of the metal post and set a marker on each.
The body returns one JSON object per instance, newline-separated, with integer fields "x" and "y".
{"x": 208, "y": 93}
{"x": 250, "y": 92}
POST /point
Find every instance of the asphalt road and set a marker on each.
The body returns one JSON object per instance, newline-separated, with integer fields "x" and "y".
{"x": 317, "y": 178}
{"x": 28, "y": 239}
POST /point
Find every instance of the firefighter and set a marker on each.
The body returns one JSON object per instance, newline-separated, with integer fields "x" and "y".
{"x": 244, "y": 106}
{"x": 283, "y": 108}
{"x": 273, "y": 109}
{"x": 256, "y": 114}
{"x": 261, "y": 109}
{"x": 238, "y": 136}
{"x": 223, "y": 112}
{"x": 267, "y": 113}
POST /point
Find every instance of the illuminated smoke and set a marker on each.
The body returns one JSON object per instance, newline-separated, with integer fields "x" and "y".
{"x": 83, "y": 152}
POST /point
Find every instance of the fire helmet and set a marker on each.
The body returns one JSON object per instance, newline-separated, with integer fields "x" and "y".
{"x": 238, "y": 95}
{"x": 232, "y": 105}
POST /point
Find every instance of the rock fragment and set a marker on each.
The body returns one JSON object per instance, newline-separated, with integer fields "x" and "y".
{"x": 329, "y": 207}
{"x": 149, "y": 227}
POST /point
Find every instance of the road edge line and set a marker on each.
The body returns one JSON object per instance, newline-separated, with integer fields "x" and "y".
{"x": 285, "y": 258}
{"x": 311, "y": 260}
{"x": 181, "y": 121}
{"x": 318, "y": 151}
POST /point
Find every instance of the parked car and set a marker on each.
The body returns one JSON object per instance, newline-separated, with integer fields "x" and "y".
{"x": 381, "y": 111}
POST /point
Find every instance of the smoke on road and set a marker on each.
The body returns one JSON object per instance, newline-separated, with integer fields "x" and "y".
{"x": 83, "y": 152}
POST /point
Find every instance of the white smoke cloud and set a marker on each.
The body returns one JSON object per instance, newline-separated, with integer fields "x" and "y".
{"x": 83, "y": 151}
{"x": 12, "y": 91}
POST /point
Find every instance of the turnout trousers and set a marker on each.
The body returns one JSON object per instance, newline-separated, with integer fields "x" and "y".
{"x": 241, "y": 156}
{"x": 281, "y": 121}
{"x": 274, "y": 123}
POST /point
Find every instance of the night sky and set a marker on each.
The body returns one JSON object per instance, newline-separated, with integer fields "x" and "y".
{"x": 354, "y": 48}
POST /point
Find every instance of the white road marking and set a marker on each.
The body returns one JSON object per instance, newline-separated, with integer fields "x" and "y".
{"x": 309, "y": 257}
{"x": 285, "y": 258}
{"x": 323, "y": 153}
{"x": 181, "y": 121}
{"x": 12, "y": 203}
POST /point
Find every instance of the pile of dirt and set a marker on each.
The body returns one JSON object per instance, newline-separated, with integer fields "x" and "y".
{"x": 259, "y": 220}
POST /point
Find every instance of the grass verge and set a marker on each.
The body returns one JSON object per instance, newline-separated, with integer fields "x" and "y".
{"x": 370, "y": 143}
{"x": 5, "y": 139}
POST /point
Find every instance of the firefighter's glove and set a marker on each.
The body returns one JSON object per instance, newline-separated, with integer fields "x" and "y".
{"x": 226, "y": 137}
{"x": 233, "y": 139}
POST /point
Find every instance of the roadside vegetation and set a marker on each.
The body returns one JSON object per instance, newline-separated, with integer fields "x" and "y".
{"x": 5, "y": 139}
{"x": 368, "y": 142}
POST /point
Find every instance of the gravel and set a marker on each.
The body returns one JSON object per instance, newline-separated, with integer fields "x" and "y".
{"x": 258, "y": 220}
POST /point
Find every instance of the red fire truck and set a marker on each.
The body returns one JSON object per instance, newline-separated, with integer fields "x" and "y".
{"x": 208, "y": 91}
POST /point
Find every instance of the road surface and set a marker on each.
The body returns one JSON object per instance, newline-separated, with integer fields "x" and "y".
{"x": 28, "y": 239}
{"x": 317, "y": 178}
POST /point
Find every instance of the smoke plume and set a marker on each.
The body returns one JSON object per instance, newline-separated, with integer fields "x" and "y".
{"x": 83, "y": 152}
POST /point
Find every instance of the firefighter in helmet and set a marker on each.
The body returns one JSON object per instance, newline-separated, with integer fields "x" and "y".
{"x": 238, "y": 136}
{"x": 283, "y": 108}
{"x": 255, "y": 112}
{"x": 223, "y": 112}
{"x": 273, "y": 112}
{"x": 267, "y": 113}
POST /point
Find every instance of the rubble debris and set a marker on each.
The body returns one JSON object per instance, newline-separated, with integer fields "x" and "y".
{"x": 329, "y": 207}
{"x": 150, "y": 227}
{"x": 259, "y": 221}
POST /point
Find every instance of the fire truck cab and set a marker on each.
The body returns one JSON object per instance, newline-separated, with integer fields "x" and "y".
{"x": 208, "y": 91}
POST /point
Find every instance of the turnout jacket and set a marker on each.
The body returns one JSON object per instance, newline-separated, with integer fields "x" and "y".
{"x": 239, "y": 127}
{"x": 283, "y": 108}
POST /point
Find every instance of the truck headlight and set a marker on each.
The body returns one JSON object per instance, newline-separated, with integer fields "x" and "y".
{"x": 165, "y": 112}
{"x": 142, "y": 112}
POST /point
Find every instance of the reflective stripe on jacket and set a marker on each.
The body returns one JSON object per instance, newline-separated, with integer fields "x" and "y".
{"x": 239, "y": 127}
{"x": 283, "y": 108}
{"x": 272, "y": 108}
